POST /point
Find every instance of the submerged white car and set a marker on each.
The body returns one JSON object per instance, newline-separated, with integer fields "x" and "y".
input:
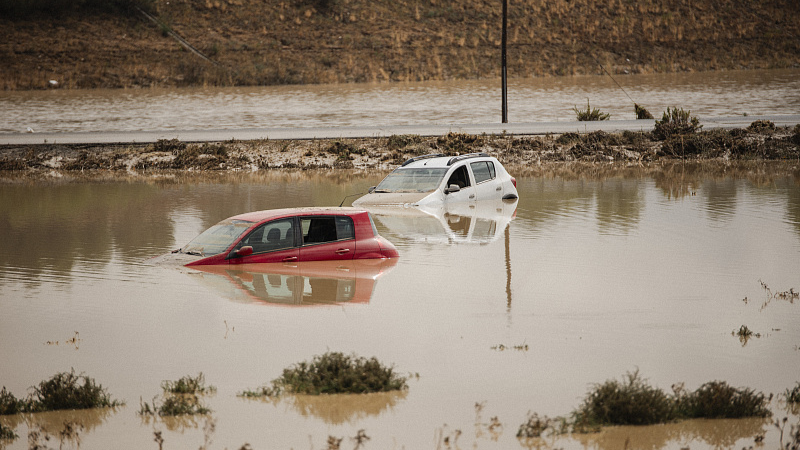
{"x": 432, "y": 180}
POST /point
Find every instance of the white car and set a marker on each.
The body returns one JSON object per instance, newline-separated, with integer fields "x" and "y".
{"x": 433, "y": 180}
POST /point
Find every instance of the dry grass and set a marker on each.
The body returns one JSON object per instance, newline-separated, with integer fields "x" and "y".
{"x": 363, "y": 41}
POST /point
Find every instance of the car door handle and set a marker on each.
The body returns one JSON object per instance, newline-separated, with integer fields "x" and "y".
{"x": 472, "y": 196}
{"x": 290, "y": 259}
{"x": 499, "y": 188}
{"x": 342, "y": 251}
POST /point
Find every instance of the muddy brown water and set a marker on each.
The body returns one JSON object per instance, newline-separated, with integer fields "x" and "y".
{"x": 514, "y": 307}
{"x": 705, "y": 94}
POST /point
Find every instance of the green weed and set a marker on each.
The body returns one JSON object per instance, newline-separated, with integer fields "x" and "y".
{"x": 718, "y": 400}
{"x": 676, "y": 122}
{"x": 10, "y": 404}
{"x": 630, "y": 402}
{"x": 66, "y": 390}
{"x": 188, "y": 385}
{"x": 590, "y": 114}
{"x": 333, "y": 373}
{"x": 174, "y": 405}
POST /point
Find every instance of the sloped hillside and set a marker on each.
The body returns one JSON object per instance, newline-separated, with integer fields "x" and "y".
{"x": 258, "y": 42}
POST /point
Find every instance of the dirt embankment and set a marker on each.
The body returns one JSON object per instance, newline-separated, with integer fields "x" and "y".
{"x": 761, "y": 141}
{"x": 263, "y": 42}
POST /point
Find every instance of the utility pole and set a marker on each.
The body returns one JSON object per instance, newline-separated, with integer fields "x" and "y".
{"x": 504, "y": 72}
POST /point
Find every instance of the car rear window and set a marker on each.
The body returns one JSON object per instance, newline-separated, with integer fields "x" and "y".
{"x": 326, "y": 229}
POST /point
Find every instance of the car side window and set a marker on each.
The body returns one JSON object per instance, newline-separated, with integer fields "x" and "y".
{"x": 459, "y": 177}
{"x": 483, "y": 171}
{"x": 271, "y": 236}
{"x": 317, "y": 230}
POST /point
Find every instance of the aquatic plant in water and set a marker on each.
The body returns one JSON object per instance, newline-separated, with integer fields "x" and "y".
{"x": 630, "y": 402}
{"x": 333, "y": 373}
{"x": 174, "y": 405}
{"x": 66, "y": 390}
{"x": 10, "y": 404}
{"x": 718, "y": 400}
{"x": 633, "y": 402}
{"x": 188, "y": 385}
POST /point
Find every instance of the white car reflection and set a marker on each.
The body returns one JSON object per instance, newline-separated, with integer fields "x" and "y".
{"x": 459, "y": 223}
{"x": 305, "y": 283}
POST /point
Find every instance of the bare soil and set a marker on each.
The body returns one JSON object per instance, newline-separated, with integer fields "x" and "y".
{"x": 267, "y": 42}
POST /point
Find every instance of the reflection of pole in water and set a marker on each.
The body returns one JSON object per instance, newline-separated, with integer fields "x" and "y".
{"x": 508, "y": 266}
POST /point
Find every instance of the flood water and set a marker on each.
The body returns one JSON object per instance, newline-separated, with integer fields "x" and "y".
{"x": 705, "y": 94}
{"x": 515, "y": 307}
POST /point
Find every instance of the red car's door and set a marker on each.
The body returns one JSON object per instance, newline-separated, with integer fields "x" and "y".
{"x": 271, "y": 242}
{"x": 327, "y": 238}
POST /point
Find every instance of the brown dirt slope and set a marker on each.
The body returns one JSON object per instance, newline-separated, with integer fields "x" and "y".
{"x": 262, "y": 42}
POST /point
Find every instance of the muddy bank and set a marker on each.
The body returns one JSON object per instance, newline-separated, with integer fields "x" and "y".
{"x": 757, "y": 142}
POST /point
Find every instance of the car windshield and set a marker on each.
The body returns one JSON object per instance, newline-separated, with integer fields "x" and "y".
{"x": 217, "y": 238}
{"x": 412, "y": 180}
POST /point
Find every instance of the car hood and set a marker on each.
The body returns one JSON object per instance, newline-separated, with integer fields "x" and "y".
{"x": 390, "y": 198}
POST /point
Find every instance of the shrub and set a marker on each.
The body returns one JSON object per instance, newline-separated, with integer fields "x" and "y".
{"x": 590, "y": 114}
{"x": 334, "y": 373}
{"x": 718, "y": 400}
{"x": 9, "y": 404}
{"x": 641, "y": 113}
{"x": 66, "y": 390}
{"x": 631, "y": 402}
{"x": 188, "y": 385}
{"x": 675, "y": 122}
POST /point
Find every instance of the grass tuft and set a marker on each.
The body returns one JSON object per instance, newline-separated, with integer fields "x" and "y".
{"x": 630, "y": 402}
{"x": 718, "y": 400}
{"x": 333, "y": 373}
{"x": 590, "y": 114}
{"x": 10, "y": 404}
{"x": 174, "y": 405}
{"x": 674, "y": 122}
{"x": 188, "y": 385}
{"x": 66, "y": 390}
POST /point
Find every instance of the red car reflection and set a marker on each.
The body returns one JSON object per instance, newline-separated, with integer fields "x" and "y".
{"x": 308, "y": 283}
{"x": 289, "y": 235}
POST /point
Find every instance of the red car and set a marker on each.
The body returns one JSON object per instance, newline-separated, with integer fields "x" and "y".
{"x": 290, "y": 235}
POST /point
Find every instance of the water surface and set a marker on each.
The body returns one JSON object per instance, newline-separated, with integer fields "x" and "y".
{"x": 705, "y": 94}
{"x": 592, "y": 275}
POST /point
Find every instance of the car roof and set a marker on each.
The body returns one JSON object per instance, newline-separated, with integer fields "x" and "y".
{"x": 441, "y": 161}
{"x": 260, "y": 216}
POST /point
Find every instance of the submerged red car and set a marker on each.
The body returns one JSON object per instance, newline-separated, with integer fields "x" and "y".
{"x": 290, "y": 235}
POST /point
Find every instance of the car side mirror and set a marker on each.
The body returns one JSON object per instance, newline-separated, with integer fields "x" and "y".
{"x": 452, "y": 188}
{"x": 371, "y": 189}
{"x": 244, "y": 251}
